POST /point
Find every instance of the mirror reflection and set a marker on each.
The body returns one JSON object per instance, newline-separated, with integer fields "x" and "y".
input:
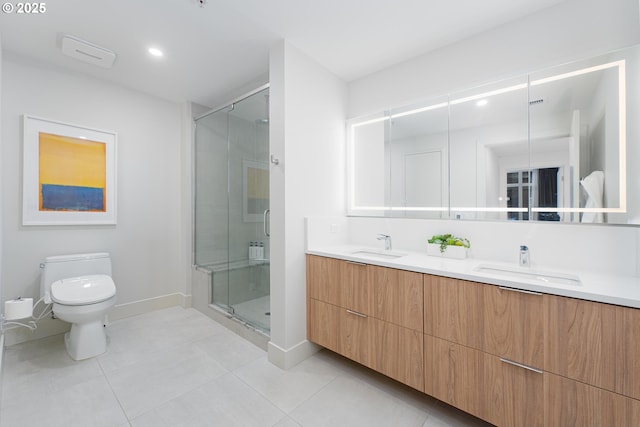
{"x": 416, "y": 146}
{"x": 549, "y": 146}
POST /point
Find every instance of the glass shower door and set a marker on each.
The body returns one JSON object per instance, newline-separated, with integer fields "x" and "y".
{"x": 231, "y": 236}
{"x": 249, "y": 286}
{"x": 211, "y": 216}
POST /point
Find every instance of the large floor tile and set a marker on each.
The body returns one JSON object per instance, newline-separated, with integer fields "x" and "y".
{"x": 87, "y": 404}
{"x": 287, "y": 422}
{"x": 230, "y": 350}
{"x": 176, "y": 367}
{"x": 225, "y": 401}
{"x": 348, "y": 401}
{"x": 288, "y": 389}
{"x": 394, "y": 389}
{"x": 145, "y": 385}
{"x": 132, "y": 340}
{"x": 37, "y": 370}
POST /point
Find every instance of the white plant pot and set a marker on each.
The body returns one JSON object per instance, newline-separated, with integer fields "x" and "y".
{"x": 456, "y": 252}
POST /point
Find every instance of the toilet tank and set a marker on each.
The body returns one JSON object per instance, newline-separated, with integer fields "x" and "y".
{"x": 64, "y": 266}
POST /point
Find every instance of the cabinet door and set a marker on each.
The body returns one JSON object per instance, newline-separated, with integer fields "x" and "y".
{"x": 323, "y": 279}
{"x": 355, "y": 336}
{"x": 571, "y": 403}
{"x": 627, "y": 362}
{"x": 355, "y": 287}
{"x": 453, "y": 310}
{"x": 398, "y": 297}
{"x": 514, "y": 325}
{"x": 463, "y": 377}
{"x": 582, "y": 341}
{"x": 323, "y": 323}
{"x": 522, "y": 395}
{"x": 398, "y": 353}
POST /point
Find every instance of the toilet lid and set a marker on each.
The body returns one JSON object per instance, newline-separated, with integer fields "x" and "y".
{"x": 83, "y": 289}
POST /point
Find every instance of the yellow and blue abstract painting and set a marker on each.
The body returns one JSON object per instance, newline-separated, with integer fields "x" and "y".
{"x": 72, "y": 174}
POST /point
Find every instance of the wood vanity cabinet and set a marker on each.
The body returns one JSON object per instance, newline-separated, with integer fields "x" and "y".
{"x": 594, "y": 343}
{"x": 377, "y": 316}
{"x": 592, "y": 362}
{"x": 479, "y": 343}
{"x": 338, "y": 307}
{"x": 398, "y": 313}
{"x": 513, "y": 358}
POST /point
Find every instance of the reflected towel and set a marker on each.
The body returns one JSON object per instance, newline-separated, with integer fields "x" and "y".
{"x": 593, "y": 186}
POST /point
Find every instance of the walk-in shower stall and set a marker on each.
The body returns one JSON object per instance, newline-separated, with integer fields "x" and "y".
{"x": 231, "y": 216}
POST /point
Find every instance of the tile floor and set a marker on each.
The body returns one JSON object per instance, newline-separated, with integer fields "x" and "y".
{"x": 177, "y": 367}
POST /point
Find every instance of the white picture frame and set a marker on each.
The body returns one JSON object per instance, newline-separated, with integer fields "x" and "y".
{"x": 69, "y": 174}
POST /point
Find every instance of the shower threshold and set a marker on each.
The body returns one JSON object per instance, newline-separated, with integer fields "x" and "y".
{"x": 256, "y": 335}
{"x": 255, "y": 312}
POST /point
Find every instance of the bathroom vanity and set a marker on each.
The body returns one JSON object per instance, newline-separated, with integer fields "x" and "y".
{"x": 548, "y": 349}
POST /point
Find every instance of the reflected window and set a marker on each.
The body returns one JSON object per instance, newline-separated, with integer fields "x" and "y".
{"x": 538, "y": 187}
{"x": 518, "y": 190}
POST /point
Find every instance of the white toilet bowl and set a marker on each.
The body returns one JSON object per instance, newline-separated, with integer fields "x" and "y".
{"x": 82, "y": 300}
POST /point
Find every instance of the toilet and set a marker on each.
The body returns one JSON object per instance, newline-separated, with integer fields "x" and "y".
{"x": 82, "y": 292}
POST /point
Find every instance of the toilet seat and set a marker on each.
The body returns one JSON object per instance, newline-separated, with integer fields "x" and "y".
{"x": 83, "y": 290}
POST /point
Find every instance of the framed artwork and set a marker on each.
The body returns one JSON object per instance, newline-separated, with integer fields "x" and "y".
{"x": 69, "y": 174}
{"x": 255, "y": 190}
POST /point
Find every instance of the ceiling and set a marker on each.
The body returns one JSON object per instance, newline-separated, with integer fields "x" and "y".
{"x": 212, "y": 51}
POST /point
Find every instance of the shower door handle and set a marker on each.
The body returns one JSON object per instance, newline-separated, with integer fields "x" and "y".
{"x": 266, "y": 216}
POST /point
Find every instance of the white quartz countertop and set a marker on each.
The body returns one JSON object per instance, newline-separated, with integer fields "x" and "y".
{"x": 611, "y": 289}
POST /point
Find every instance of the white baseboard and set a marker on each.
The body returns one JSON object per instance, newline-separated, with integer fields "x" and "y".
{"x": 121, "y": 311}
{"x": 48, "y": 327}
{"x": 286, "y": 359}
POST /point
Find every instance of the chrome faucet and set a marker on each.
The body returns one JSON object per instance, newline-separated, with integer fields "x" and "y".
{"x": 387, "y": 241}
{"x": 524, "y": 256}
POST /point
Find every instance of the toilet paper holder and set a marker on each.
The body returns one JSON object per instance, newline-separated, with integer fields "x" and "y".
{"x": 19, "y": 308}
{"x": 17, "y": 311}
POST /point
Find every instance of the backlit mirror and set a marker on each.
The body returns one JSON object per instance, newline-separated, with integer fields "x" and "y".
{"x": 550, "y": 146}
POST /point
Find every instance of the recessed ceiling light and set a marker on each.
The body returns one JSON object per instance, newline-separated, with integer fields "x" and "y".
{"x": 482, "y": 103}
{"x": 154, "y": 51}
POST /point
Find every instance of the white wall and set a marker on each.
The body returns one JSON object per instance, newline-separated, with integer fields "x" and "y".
{"x": 307, "y": 135}
{"x": 147, "y": 244}
{"x": 573, "y": 30}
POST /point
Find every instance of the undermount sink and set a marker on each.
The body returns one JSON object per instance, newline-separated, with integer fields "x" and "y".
{"x": 540, "y": 276}
{"x": 378, "y": 254}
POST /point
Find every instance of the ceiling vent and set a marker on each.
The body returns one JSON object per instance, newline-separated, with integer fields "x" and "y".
{"x": 87, "y": 52}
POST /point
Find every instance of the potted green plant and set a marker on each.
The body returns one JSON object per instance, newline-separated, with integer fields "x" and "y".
{"x": 448, "y": 245}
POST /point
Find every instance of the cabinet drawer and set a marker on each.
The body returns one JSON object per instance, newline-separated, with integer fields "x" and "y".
{"x": 355, "y": 287}
{"x": 323, "y": 279}
{"x": 453, "y": 310}
{"x": 463, "y": 377}
{"x": 514, "y": 325}
{"x": 323, "y": 323}
{"x": 571, "y": 403}
{"x": 398, "y": 353}
{"x": 355, "y": 336}
{"x": 398, "y": 297}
